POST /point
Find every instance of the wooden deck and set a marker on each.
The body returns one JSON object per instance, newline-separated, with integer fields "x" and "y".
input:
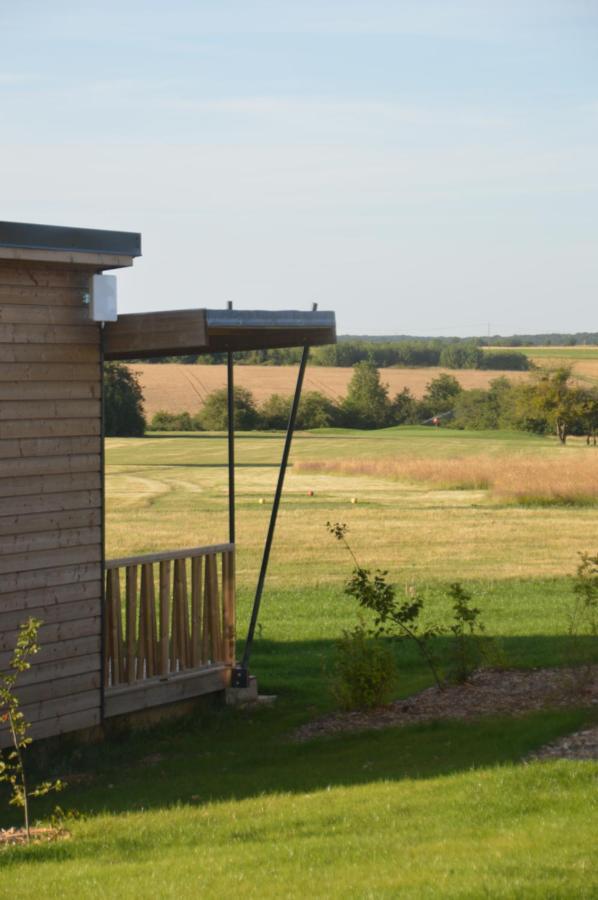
{"x": 169, "y": 627}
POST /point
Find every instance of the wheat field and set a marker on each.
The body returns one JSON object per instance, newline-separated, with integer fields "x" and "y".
{"x": 175, "y": 387}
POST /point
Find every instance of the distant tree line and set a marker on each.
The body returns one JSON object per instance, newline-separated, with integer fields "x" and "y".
{"x": 546, "y": 339}
{"x": 452, "y": 353}
{"x": 550, "y": 402}
{"x": 549, "y": 339}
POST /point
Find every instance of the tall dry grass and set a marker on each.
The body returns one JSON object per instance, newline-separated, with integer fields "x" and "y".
{"x": 516, "y": 479}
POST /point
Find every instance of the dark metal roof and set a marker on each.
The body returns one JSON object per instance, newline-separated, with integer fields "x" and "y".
{"x": 231, "y": 329}
{"x": 265, "y": 318}
{"x": 20, "y": 235}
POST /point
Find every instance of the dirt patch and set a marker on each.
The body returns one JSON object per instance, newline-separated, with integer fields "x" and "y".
{"x": 10, "y": 837}
{"x": 510, "y": 692}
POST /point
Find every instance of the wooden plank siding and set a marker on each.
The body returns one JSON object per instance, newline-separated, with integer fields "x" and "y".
{"x": 50, "y": 489}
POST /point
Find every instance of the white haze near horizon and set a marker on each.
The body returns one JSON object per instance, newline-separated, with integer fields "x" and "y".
{"x": 419, "y": 167}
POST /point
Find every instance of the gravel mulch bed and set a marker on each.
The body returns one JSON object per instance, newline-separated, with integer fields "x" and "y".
{"x": 579, "y": 745}
{"x": 489, "y": 692}
{"x": 15, "y": 836}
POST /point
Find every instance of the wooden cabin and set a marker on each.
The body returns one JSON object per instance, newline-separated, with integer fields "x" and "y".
{"x": 117, "y": 635}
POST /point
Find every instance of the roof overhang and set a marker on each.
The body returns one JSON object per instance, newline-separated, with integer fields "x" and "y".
{"x": 76, "y": 246}
{"x": 182, "y": 332}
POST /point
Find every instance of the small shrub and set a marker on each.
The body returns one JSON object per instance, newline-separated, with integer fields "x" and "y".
{"x": 365, "y": 670}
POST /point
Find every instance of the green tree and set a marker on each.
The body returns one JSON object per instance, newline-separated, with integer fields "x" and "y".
{"x": 462, "y": 355}
{"x": 557, "y": 402}
{"x": 513, "y": 361}
{"x": 274, "y": 412}
{"x": 123, "y": 402}
{"x": 404, "y": 408}
{"x": 475, "y": 409}
{"x": 588, "y": 411}
{"x": 367, "y": 404}
{"x": 214, "y": 414}
{"x": 441, "y": 393}
{"x": 316, "y": 411}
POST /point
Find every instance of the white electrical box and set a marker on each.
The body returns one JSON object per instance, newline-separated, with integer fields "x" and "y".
{"x": 103, "y": 298}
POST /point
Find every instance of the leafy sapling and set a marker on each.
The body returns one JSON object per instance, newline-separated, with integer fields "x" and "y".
{"x": 12, "y": 764}
{"x": 391, "y": 618}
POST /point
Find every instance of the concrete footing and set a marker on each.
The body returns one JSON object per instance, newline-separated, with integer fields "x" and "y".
{"x": 242, "y": 696}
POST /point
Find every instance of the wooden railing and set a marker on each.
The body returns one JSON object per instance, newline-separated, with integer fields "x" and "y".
{"x": 168, "y": 612}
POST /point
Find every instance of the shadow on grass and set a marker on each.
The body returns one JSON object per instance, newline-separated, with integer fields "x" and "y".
{"x": 191, "y": 465}
{"x": 227, "y": 754}
{"x": 215, "y": 436}
{"x": 233, "y": 757}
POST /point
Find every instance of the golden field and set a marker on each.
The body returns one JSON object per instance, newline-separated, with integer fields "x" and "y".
{"x": 175, "y": 387}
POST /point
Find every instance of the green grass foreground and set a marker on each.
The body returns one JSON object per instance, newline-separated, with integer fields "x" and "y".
{"x": 226, "y": 803}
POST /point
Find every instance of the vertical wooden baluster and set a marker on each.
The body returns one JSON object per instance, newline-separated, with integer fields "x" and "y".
{"x": 206, "y": 642}
{"x": 174, "y": 628}
{"x": 131, "y": 617}
{"x": 108, "y": 631}
{"x": 178, "y": 622}
{"x": 142, "y": 661}
{"x": 195, "y": 610}
{"x": 187, "y": 590}
{"x": 149, "y": 615}
{"x": 181, "y": 619}
{"x": 228, "y": 606}
{"x": 164, "y": 642}
{"x": 116, "y": 627}
{"x": 215, "y": 618}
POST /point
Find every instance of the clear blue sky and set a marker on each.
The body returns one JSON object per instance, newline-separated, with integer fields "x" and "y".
{"x": 419, "y": 167}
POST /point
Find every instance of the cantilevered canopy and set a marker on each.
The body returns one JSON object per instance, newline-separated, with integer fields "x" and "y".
{"x": 150, "y": 335}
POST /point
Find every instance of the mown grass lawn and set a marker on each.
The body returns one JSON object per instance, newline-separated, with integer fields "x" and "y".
{"x": 227, "y": 803}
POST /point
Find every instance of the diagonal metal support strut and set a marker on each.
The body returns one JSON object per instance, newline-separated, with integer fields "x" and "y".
{"x": 230, "y": 389}
{"x": 240, "y": 674}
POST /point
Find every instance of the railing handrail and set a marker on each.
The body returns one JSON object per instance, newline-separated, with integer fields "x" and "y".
{"x": 167, "y": 555}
